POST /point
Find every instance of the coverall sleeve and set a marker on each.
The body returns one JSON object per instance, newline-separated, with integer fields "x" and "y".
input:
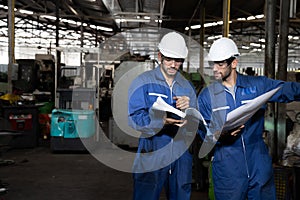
{"x": 289, "y": 91}
{"x": 141, "y": 116}
{"x": 204, "y": 106}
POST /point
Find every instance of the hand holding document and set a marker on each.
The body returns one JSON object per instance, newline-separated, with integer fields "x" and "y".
{"x": 234, "y": 119}
{"x": 161, "y": 105}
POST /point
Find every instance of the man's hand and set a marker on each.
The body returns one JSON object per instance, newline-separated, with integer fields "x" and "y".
{"x": 235, "y": 132}
{"x": 176, "y": 122}
{"x": 182, "y": 102}
{"x": 228, "y": 136}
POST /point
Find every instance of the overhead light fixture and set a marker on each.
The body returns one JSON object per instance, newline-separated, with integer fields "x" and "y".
{"x": 241, "y": 19}
{"x": 4, "y": 7}
{"x": 245, "y": 47}
{"x": 26, "y": 12}
{"x": 259, "y": 16}
{"x": 251, "y": 18}
{"x": 48, "y": 17}
{"x": 197, "y": 26}
{"x": 255, "y": 44}
{"x": 118, "y": 20}
{"x": 104, "y": 28}
{"x": 70, "y": 21}
{"x": 72, "y": 9}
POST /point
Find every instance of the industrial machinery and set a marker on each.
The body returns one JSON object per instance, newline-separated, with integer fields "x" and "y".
{"x": 69, "y": 127}
{"x": 293, "y": 108}
{"x": 119, "y": 131}
{"x": 73, "y": 122}
{"x": 33, "y": 83}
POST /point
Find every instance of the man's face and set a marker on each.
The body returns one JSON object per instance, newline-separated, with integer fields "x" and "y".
{"x": 170, "y": 66}
{"x": 221, "y": 69}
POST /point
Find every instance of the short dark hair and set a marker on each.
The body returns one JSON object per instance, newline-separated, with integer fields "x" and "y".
{"x": 230, "y": 60}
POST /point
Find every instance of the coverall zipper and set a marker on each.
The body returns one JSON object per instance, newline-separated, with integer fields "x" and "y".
{"x": 170, "y": 170}
{"x": 171, "y": 102}
{"x": 244, "y": 151}
{"x": 243, "y": 142}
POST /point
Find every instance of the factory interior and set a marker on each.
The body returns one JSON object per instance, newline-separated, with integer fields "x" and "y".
{"x": 66, "y": 67}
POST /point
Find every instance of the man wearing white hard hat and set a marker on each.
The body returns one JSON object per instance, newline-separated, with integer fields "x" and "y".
{"x": 242, "y": 168}
{"x": 163, "y": 159}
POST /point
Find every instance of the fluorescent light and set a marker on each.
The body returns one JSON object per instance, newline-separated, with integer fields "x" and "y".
{"x": 250, "y": 18}
{"x": 214, "y": 37}
{"x": 69, "y": 21}
{"x": 4, "y": 7}
{"x": 49, "y": 17}
{"x": 101, "y": 28}
{"x": 196, "y": 26}
{"x": 26, "y": 12}
{"x": 262, "y": 40}
{"x": 259, "y": 16}
{"x": 241, "y": 19}
{"x": 104, "y": 28}
{"x": 132, "y": 20}
{"x": 254, "y": 44}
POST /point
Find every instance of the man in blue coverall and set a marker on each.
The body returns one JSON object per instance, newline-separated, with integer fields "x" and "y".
{"x": 242, "y": 167}
{"x": 163, "y": 159}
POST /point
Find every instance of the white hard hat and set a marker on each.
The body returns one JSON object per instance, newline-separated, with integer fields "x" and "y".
{"x": 222, "y": 49}
{"x": 173, "y": 45}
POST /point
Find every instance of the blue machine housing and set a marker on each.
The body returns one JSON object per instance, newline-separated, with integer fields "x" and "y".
{"x": 72, "y": 123}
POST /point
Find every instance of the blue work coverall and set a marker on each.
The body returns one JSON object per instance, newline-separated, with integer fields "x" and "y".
{"x": 167, "y": 162}
{"x": 242, "y": 167}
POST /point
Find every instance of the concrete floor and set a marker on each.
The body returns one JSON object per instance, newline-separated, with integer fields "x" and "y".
{"x": 38, "y": 174}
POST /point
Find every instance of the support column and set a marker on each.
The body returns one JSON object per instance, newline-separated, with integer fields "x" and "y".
{"x": 11, "y": 43}
{"x": 201, "y": 34}
{"x": 269, "y": 71}
{"x": 58, "y": 53}
{"x": 226, "y": 17}
{"x": 282, "y": 73}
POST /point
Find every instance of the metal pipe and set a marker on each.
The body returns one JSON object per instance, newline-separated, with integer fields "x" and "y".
{"x": 81, "y": 41}
{"x": 11, "y": 40}
{"x": 226, "y": 17}
{"x": 282, "y": 73}
{"x": 58, "y": 53}
{"x": 269, "y": 70}
{"x": 201, "y": 34}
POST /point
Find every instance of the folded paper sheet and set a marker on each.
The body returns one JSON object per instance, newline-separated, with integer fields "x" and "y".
{"x": 161, "y": 105}
{"x": 234, "y": 119}
{"x": 242, "y": 114}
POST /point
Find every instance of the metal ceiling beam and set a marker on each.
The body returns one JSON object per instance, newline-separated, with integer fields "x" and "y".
{"x": 69, "y": 5}
{"x": 112, "y": 6}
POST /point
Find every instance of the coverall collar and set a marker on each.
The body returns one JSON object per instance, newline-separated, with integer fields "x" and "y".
{"x": 241, "y": 82}
{"x": 218, "y": 87}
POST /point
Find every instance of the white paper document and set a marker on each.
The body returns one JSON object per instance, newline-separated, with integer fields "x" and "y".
{"x": 161, "y": 105}
{"x": 242, "y": 114}
{"x": 234, "y": 119}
